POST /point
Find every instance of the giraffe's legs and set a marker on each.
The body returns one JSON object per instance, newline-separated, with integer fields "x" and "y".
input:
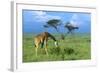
{"x": 46, "y": 51}
{"x": 36, "y": 50}
{"x": 46, "y": 48}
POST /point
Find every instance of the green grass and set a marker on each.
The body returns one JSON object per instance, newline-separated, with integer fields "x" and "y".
{"x": 76, "y": 47}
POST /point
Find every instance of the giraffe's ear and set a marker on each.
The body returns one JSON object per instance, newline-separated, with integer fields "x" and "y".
{"x": 56, "y": 44}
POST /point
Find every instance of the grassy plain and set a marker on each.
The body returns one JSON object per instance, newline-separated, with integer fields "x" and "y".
{"x": 74, "y": 47}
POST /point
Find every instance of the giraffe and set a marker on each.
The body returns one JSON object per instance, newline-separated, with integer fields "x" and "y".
{"x": 42, "y": 39}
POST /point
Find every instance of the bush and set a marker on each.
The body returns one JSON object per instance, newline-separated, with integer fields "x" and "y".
{"x": 69, "y": 51}
{"x": 55, "y": 50}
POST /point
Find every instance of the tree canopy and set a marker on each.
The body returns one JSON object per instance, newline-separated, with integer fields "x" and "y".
{"x": 54, "y": 23}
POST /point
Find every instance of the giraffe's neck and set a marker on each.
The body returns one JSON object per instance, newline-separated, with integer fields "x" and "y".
{"x": 52, "y": 37}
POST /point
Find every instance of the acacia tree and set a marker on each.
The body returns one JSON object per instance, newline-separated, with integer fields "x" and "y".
{"x": 70, "y": 27}
{"x": 54, "y": 23}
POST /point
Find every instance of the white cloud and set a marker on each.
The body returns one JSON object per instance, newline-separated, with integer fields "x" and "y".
{"x": 74, "y": 17}
{"x": 41, "y": 16}
{"x": 75, "y": 20}
{"x": 40, "y": 13}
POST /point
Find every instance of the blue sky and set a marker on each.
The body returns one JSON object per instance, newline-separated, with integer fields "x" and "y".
{"x": 33, "y": 21}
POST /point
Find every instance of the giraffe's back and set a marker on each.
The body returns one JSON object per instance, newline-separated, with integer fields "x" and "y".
{"x": 40, "y": 38}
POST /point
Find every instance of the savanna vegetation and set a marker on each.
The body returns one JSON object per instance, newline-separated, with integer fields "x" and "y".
{"x": 73, "y": 47}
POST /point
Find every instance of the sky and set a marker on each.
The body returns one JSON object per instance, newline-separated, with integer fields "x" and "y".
{"x": 33, "y": 21}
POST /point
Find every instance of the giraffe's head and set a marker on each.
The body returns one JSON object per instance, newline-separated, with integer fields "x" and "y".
{"x": 56, "y": 43}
